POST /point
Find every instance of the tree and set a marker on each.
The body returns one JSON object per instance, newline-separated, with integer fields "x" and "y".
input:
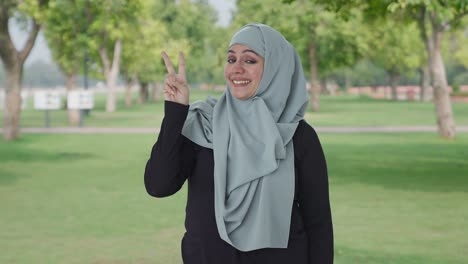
{"x": 109, "y": 23}
{"x": 65, "y": 30}
{"x": 30, "y": 12}
{"x": 141, "y": 58}
{"x": 394, "y": 47}
{"x": 195, "y": 23}
{"x": 434, "y": 18}
{"x": 324, "y": 41}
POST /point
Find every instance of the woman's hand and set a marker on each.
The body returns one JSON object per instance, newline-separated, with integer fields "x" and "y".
{"x": 176, "y": 88}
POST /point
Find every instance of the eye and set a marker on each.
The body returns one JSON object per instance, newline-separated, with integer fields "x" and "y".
{"x": 249, "y": 61}
{"x": 231, "y": 60}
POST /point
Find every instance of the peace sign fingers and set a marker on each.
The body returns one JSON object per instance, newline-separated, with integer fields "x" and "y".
{"x": 168, "y": 63}
{"x": 176, "y": 88}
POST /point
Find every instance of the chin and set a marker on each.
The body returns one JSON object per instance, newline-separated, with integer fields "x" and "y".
{"x": 240, "y": 96}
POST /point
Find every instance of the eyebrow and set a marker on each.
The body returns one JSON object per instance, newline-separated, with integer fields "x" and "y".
{"x": 244, "y": 51}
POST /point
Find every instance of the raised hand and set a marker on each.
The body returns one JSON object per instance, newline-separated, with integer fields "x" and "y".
{"x": 176, "y": 88}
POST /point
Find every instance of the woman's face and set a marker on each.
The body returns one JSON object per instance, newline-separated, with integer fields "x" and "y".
{"x": 243, "y": 71}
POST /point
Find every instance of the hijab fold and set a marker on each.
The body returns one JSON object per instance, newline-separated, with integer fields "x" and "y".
{"x": 252, "y": 145}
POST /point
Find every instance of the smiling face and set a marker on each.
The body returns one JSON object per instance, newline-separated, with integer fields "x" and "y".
{"x": 243, "y": 71}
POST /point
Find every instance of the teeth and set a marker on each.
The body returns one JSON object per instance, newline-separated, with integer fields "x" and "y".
{"x": 240, "y": 82}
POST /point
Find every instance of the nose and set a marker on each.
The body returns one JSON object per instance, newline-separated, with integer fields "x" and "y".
{"x": 237, "y": 67}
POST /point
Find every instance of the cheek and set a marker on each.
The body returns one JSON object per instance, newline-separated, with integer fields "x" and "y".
{"x": 226, "y": 72}
{"x": 258, "y": 74}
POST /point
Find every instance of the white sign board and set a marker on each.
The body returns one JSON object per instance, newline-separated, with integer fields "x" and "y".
{"x": 47, "y": 100}
{"x": 24, "y": 100}
{"x": 80, "y": 100}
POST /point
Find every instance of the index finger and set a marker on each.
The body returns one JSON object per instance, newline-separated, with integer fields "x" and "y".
{"x": 167, "y": 62}
{"x": 181, "y": 64}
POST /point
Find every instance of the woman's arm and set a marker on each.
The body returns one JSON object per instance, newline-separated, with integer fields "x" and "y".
{"x": 314, "y": 201}
{"x": 172, "y": 156}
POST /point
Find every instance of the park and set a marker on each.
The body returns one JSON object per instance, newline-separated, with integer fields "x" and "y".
{"x": 73, "y": 192}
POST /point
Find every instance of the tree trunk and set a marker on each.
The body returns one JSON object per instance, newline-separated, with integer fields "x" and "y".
{"x": 394, "y": 81}
{"x": 12, "y": 109}
{"x": 443, "y": 105}
{"x": 144, "y": 93}
{"x": 323, "y": 86}
{"x": 70, "y": 84}
{"x": 128, "y": 91}
{"x": 111, "y": 72}
{"x": 424, "y": 82}
{"x": 157, "y": 90}
{"x": 128, "y": 95}
{"x": 13, "y": 61}
{"x": 314, "y": 82}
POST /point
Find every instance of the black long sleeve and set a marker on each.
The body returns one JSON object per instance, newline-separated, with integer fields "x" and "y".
{"x": 175, "y": 159}
{"x": 313, "y": 197}
{"x": 172, "y": 156}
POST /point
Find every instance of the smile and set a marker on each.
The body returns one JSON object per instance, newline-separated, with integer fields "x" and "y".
{"x": 241, "y": 82}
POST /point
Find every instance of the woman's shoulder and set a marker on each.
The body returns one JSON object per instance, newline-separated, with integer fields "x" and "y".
{"x": 304, "y": 138}
{"x": 304, "y": 130}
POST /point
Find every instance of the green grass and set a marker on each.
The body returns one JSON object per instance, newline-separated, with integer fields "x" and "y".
{"x": 396, "y": 198}
{"x": 335, "y": 111}
{"x": 365, "y": 111}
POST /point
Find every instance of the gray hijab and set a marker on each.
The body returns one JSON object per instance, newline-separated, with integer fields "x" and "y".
{"x": 252, "y": 145}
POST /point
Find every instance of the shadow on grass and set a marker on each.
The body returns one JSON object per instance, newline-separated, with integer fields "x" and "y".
{"x": 19, "y": 154}
{"x": 345, "y": 255}
{"x": 403, "y": 165}
{"x": 34, "y": 155}
{"x": 8, "y": 177}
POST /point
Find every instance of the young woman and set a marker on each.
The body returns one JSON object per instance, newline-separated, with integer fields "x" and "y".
{"x": 256, "y": 172}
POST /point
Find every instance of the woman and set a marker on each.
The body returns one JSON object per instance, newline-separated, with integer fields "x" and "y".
{"x": 257, "y": 176}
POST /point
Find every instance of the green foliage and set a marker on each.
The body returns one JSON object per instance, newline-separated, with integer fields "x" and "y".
{"x": 66, "y": 33}
{"x": 443, "y": 12}
{"x": 141, "y": 53}
{"x": 2, "y": 73}
{"x": 456, "y": 45}
{"x": 81, "y": 26}
{"x": 194, "y": 25}
{"x": 365, "y": 73}
{"x": 460, "y": 79}
{"x": 395, "y": 46}
{"x": 35, "y": 9}
{"x": 339, "y": 43}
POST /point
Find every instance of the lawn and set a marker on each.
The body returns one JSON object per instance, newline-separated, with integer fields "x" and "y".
{"x": 396, "y": 198}
{"x": 345, "y": 110}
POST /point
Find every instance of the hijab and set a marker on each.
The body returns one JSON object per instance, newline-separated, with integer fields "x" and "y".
{"x": 252, "y": 145}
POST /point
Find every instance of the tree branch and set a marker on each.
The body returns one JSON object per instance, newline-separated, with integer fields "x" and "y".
{"x": 105, "y": 60}
{"x": 117, "y": 52}
{"x": 24, "y": 52}
{"x": 7, "y": 48}
{"x": 456, "y": 18}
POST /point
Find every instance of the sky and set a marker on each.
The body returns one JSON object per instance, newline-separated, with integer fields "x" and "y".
{"x": 41, "y": 52}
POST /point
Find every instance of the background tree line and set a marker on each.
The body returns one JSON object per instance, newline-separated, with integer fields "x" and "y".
{"x": 42, "y": 74}
{"x": 345, "y": 42}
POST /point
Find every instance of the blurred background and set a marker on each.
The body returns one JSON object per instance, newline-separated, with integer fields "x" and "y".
{"x": 71, "y": 178}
